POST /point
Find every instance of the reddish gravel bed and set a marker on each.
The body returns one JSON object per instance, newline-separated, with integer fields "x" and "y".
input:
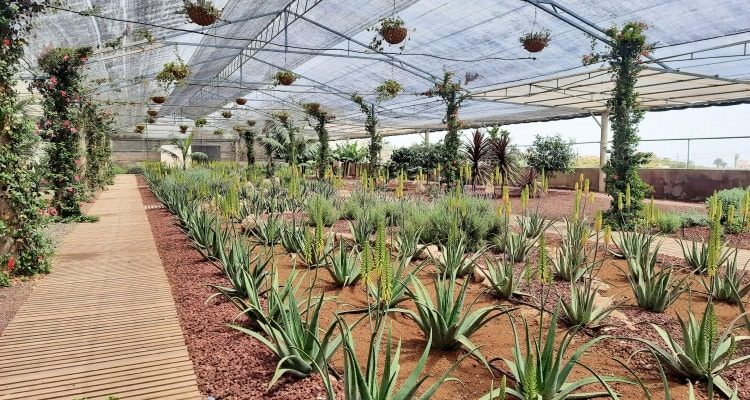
{"x": 229, "y": 365}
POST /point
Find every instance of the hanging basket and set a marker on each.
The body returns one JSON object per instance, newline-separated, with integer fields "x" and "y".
{"x": 158, "y": 99}
{"x": 151, "y": 120}
{"x": 285, "y": 78}
{"x": 184, "y": 128}
{"x": 250, "y": 122}
{"x": 226, "y": 114}
{"x": 535, "y": 42}
{"x": 139, "y": 128}
{"x": 201, "y": 15}
{"x": 240, "y": 101}
{"x": 394, "y": 35}
{"x": 152, "y": 113}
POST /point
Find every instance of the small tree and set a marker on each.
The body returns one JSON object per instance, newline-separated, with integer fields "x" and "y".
{"x": 503, "y": 155}
{"x": 349, "y": 153}
{"x": 719, "y": 163}
{"x": 551, "y": 154}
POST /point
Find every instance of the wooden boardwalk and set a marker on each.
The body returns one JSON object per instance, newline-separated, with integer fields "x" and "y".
{"x": 104, "y": 322}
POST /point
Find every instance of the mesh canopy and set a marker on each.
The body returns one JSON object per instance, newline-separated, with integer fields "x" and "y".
{"x": 700, "y": 45}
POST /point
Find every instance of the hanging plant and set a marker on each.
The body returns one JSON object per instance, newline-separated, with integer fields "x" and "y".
{"x": 240, "y": 101}
{"x": 184, "y": 128}
{"x": 251, "y": 122}
{"x": 140, "y": 128}
{"x": 238, "y": 128}
{"x": 535, "y": 41}
{"x": 285, "y": 78}
{"x": 388, "y": 90}
{"x": 226, "y": 114}
{"x": 219, "y": 132}
{"x": 392, "y": 30}
{"x": 173, "y": 73}
{"x": 202, "y": 12}
{"x": 158, "y": 99}
{"x": 200, "y": 122}
{"x": 311, "y": 108}
{"x": 151, "y": 120}
{"x": 152, "y": 113}
{"x": 282, "y": 116}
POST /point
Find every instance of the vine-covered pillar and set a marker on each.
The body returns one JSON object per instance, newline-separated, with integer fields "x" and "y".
{"x": 23, "y": 248}
{"x": 249, "y": 137}
{"x": 603, "y": 142}
{"x": 623, "y": 179}
{"x": 62, "y": 90}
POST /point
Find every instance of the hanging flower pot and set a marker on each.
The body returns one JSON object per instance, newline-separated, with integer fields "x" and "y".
{"x": 139, "y": 128}
{"x": 251, "y": 122}
{"x": 175, "y": 72}
{"x": 285, "y": 78}
{"x": 152, "y": 113}
{"x": 388, "y": 90}
{"x": 240, "y": 101}
{"x": 158, "y": 99}
{"x": 238, "y": 128}
{"x": 151, "y": 120}
{"x": 200, "y": 122}
{"x": 219, "y": 132}
{"x": 535, "y": 42}
{"x": 393, "y": 30}
{"x": 202, "y": 12}
{"x": 226, "y": 114}
{"x": 282, "y": 116}
{"x": 184, "y": 128}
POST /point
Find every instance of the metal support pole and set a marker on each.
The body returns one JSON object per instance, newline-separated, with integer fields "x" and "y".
{"x": 687, "y": 164}
{"x": 603, "y": 148}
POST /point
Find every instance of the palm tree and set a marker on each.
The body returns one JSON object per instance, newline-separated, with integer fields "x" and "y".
{"x": 503, "y": 155}
{"x": 286, "y": 141}
{"x": 349, "y": 153}
{"x": 476, "y": 150}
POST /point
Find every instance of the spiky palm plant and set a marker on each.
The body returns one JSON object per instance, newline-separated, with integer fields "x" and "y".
{"x": 475, "y": 150}
{"x": 503, "y": 155}
{"x": 582, "y": 309}
{"x": 728, "y": 284}
{"x": 344, "y": 267}
{"x": 653, "y": 288}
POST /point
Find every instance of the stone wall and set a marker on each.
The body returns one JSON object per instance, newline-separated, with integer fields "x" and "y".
{"x": 675, "y": 184}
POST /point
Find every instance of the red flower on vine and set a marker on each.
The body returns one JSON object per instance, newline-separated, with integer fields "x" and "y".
{"x": 73, "y": 130}
{"x": 63, "y": 93}
{"x": 84, "y": 60}
{"x": 11, "y": 264}
{"x": 76, "y": 178}
{"x": 66, "y": 57}
{"x": 53, "y": 80}
{"x": 6, "y": 42}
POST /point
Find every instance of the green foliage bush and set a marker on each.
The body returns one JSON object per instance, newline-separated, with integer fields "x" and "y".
{"x": 411, "y": 159}
{"x": 729, "y": 197}
{"x": 693, "y": 218}
{"x": 669, "y": 223}
{"x": 319, "y": 207}
{"x": 478, "y": 220}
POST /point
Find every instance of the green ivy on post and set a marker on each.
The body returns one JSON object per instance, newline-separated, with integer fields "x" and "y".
{"x": 624, "y": 57}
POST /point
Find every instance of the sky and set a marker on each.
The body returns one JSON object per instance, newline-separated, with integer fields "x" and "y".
{"x": 690, "y": 123}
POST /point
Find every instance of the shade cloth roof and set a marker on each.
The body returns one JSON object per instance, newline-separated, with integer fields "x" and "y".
{"x": 701, "y": 45}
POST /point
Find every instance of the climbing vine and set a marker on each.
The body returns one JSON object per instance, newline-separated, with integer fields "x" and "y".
{"x": 98, "y": 127}
{"x": 321, "y": 118}
{"x": 23, "y": 248}
{"x": 624, "y": 57}
{"x": 371, "y": 125}
{"x": 249, "y": 136}
{"x": 61, "y": 90}
{"x": 452, "y": 94}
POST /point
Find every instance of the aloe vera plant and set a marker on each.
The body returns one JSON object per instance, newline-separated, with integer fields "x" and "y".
{"x": 453, "y": 259}
{"x": 654, "y": 288}
{"x": 697, "y": 256}
{"x": 362, "y": 228}
{"x": 727, "y": 285}
{"x": 246, "y": 272}
{"x": 407, "y": 243}
{"x": 703, "y": 354}
{"x": 582, "y": 309}
{"x": 344, "y": 267}
{"x": 447, "y": 320}
{"x": 541, "y": 370}
{"x": 514, "y": 245}
{"x": 372, "y": 384}
{"x": 268, "y": 231}
{"x": 533, "y": 224}
{"x": 634, "y": 244}
{"x": 502, "y": 278}
{"x": 293, "y": 237}
{"x": 295, "y": 338}
{"x": 571, "y": 262}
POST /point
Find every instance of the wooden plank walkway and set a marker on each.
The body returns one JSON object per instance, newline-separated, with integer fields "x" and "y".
{"x": 104, "y": 322}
